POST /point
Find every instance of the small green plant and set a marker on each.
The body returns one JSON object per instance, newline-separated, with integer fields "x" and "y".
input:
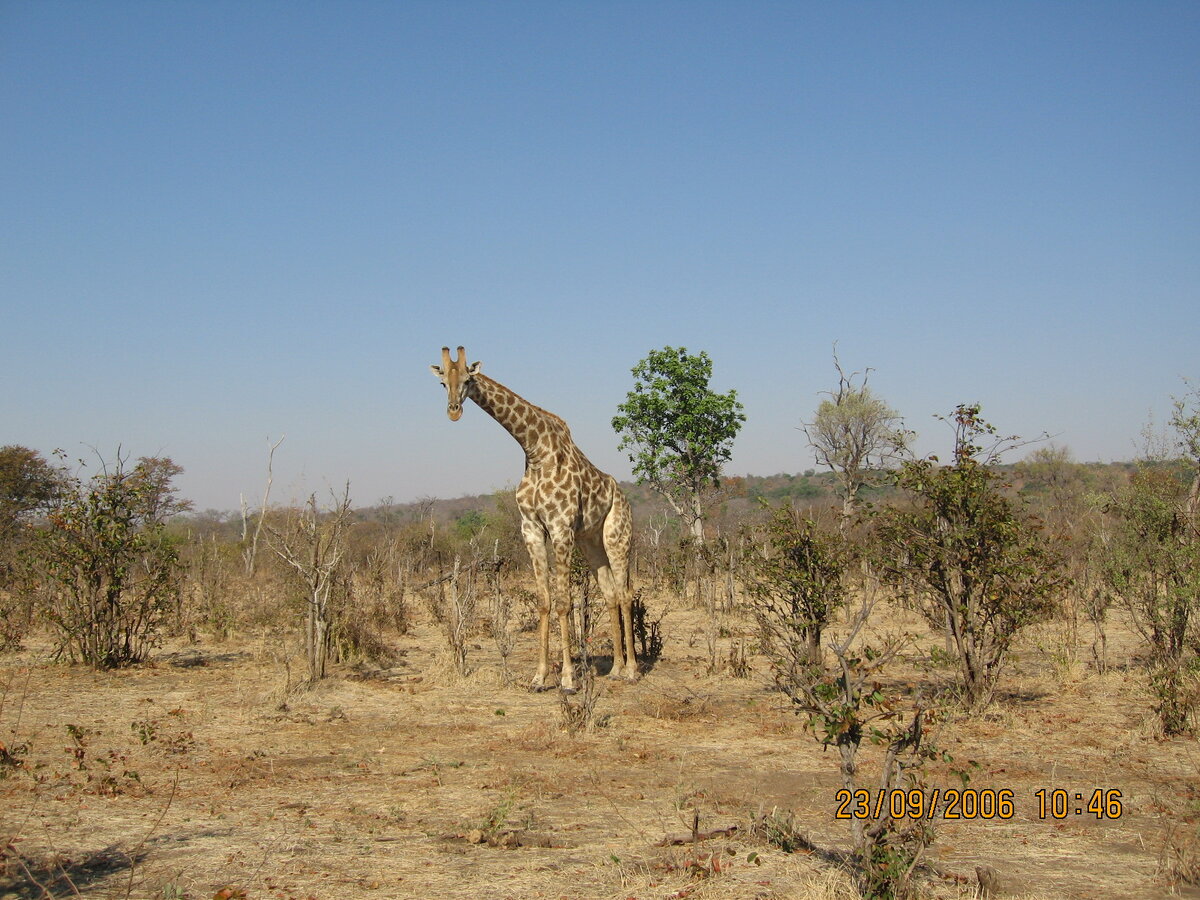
{"x": 80, "y": 738}
{"x": 107, "y": 774}
{"x": 707, "y": 865}
{"x": 941, "y": 658}
{"x": 435, "y": 766}
{"x": 498, "y": 816}
{"x": 12, "y": 758}
{"x": 779, "y": 830}
{"x": 497, "y": 824}
{"x": 170, "y": 737}
{"x": 146, "y": 731}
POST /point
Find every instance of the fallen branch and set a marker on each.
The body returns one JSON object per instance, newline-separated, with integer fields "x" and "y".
{"x": 677, "y": 840}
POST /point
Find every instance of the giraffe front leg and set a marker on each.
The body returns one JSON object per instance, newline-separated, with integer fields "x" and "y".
{"x": 562, "y": 598}
{"x": 543, "y": 668}
{"x": 535, "y": 543}
{"x": 566, "y": 682}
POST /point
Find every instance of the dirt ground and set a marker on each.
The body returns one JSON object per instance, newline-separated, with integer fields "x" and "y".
{"x": 206, "y": 772}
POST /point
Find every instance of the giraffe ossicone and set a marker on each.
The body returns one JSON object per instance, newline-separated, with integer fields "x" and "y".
{"x": 564, "y": 500}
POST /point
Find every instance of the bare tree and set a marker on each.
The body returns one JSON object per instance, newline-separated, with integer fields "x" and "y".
{"x": 500, "y": 613}
{"x": 458, "y": 606}
{"x": 313, "y": 543}
{"x": 855, "y": 432}
{"x": 250, "y": 554}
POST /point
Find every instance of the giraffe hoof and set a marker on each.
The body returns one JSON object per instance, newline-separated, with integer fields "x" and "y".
{"x": 568, "y": 691}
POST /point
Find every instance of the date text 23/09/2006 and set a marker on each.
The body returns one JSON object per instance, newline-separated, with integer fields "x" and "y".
{"x": 975, "y": 803}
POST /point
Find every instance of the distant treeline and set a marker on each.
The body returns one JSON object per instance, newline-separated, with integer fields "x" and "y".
{"x": 740, "y": 497}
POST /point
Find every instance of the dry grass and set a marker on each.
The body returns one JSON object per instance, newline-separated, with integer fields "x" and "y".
{"x": 210, "y": 769}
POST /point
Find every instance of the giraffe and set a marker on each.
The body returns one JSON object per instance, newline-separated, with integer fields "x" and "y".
{"x": 563, "y": 499}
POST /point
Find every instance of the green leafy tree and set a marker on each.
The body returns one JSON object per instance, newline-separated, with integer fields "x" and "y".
{"x": 679, "y": 431}
{"x": 470, "y": 525}
{"x": 966, "y": 557}
{"x": 112, "y": 567}
{"x": 28, "y": 485}
{"x": 855, "y": 434}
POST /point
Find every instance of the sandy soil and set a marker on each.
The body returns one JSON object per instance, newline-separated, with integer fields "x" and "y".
{"x": 207, "y": 773}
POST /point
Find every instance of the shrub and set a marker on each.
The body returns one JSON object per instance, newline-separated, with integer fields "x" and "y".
{"x": 795, "y": 578}
{"x": 846, "y": 703}
{"x": 1153, "y": 567}
{"x": 112, "y": 569}
{"x": 966, "y": 558}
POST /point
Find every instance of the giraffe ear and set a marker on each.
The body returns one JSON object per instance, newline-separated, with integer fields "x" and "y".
{"x": 437, "y": 370}
{"x": 475, "y": 369}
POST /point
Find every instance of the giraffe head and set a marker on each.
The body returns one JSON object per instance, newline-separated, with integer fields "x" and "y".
{"x": 456, "y": 375}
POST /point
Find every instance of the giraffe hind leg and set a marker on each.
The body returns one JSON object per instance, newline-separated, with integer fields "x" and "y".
{"x": 616, "y": 597}
{"x": 618, "y": 535}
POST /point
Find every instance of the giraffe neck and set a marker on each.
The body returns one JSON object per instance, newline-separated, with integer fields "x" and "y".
{"x": 530, "y": 425}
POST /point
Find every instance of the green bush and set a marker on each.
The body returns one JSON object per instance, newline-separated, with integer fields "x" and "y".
{"x": 112, "y": 569}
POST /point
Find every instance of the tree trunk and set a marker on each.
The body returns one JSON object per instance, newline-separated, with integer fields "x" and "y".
{"x": 318, "y": 631}
{"x": 697, "y": 516}
{"x": 848, "y": 750}
{"x": 849, "y": 501}
{"x": 813, "y": 634}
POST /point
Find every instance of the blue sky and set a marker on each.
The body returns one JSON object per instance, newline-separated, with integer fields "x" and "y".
{"x": 223, "y": 222}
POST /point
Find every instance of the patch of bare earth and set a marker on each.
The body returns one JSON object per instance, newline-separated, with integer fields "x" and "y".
{"x": 208, "y": 770}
